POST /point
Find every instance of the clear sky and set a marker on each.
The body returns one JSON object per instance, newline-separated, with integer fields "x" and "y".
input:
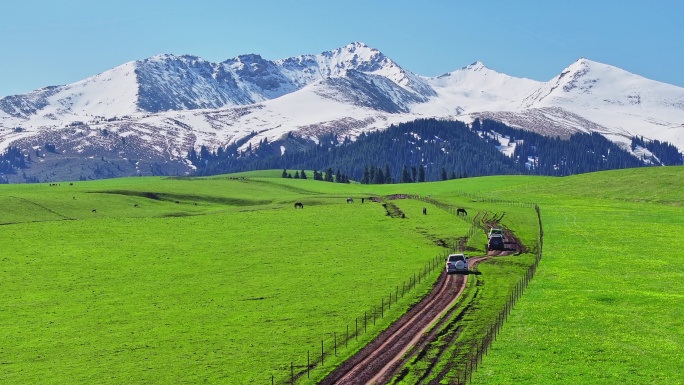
{"x": 49, "y": 42}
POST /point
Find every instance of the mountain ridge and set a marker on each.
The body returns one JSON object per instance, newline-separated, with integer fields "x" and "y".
{"x": 173, "y": 103}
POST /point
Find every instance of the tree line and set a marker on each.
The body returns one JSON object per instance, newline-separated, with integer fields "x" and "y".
{"x": 12, "y": 160}
{"x": 666, "y": 153}
{"x": 327, "y": 176}
{"x": 427, "y": 150}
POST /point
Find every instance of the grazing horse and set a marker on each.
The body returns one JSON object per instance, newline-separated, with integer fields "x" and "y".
{"x": 135, "y": 205}
{"x": 299, "y": 205}
{"x": 94, "y": 210}
{"x": 461, "y": 211}
{"x": 424, "y": 210}
{"x": 350, "y": 200}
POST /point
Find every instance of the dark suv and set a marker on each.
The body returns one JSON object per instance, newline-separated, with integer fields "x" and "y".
{"x": 496, "y": 242}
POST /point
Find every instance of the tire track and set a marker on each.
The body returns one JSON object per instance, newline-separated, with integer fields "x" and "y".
{"x": 379, "y": 360}
{"x": 64, "y": 217}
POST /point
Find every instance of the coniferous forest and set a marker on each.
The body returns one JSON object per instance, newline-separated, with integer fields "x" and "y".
{"x": 666, "y": 154}
{"x": 418, "y": 151}
{"x": 432, "y": 150}
{"x": 11, "y": 160}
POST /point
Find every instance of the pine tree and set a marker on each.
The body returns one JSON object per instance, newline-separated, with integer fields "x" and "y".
{"x": 444, "y": 174}
{"x": 303, "y": 174}
{"x": 405, "y": 176}
{"x": 296, "y": 175}
{"x": 414, "y": 174}
{"x": 476, "y": 125}
{"x": 421, "y": 174}
{"x": 379, "y": 177}
{"x": 365, "y": 179}
{"x": 388, "y": 175}
{"x": 284, "y": 173}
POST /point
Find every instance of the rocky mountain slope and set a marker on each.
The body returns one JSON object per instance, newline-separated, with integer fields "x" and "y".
{"x": 143, "y": 117}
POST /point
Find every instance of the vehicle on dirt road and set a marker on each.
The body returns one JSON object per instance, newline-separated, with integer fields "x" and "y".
{"x": 495, "y": 231}
{"x": 456, "y": 263}
{"x": 496, "y": 242}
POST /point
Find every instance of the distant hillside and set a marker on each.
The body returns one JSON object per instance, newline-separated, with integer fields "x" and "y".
{"x": 444, "y": 149}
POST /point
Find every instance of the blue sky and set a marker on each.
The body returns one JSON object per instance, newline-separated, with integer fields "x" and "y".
{"x": 59, "y": 42}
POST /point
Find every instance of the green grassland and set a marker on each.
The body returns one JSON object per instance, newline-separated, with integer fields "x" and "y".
{"x": 221, "y": 280}
{"x": 229, "y": 285}
{"x": 605, "y": 306}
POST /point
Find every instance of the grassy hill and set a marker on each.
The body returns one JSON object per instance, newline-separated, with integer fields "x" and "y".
{"x": 221, "y": 280}
{"x": 213, "y": 280}
{"x": 605, "y": 306}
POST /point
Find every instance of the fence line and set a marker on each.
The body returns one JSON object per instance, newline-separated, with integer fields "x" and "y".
{"x": 480, "y": 348}
{"x": 360, "y": 325}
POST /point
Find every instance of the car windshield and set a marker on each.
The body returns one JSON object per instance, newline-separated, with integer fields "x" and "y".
{"x": 456, "y": 258}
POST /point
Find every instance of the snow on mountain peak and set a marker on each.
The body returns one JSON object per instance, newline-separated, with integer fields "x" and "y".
{"x": 477, "y": 66}
{"x": 354, "y": 87}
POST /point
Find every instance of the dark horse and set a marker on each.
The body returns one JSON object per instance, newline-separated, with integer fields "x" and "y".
{"x": 350, "y": 200}
{"x": 299, "y": 205}
{"x": 461, "y": 211}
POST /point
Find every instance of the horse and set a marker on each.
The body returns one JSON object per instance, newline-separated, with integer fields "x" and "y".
{"x": 424, "y": 210}
{"x": 299, "y": 205}
{"x": 461, "y": 211}
{"x": 94, "y": 210}
{"x": 350, "y": 200}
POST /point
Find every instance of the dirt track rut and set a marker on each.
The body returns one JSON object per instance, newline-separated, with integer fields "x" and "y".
{"x": 377, "y": 362}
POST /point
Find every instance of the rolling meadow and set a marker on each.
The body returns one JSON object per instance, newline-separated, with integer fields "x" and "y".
{"x": 222, "y": 280}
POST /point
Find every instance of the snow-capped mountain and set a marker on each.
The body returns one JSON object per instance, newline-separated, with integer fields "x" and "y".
{"x": 154, "y": 110}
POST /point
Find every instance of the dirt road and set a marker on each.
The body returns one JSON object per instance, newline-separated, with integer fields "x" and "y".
{"x": 377, "y": 362}
{"x": 381, "y": 359}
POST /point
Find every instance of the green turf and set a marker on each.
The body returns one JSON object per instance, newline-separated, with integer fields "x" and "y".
{"x": 605, "y": 306}
{"x": 231, "y": 284}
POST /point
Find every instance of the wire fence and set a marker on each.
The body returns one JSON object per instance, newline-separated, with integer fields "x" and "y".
{"x": 480, "y": 348}
{"x": 336, "y": 341}
{"x": 363, "y": 324}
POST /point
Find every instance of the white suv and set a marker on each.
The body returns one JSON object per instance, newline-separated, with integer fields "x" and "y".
{"x": 456, "y": 263}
